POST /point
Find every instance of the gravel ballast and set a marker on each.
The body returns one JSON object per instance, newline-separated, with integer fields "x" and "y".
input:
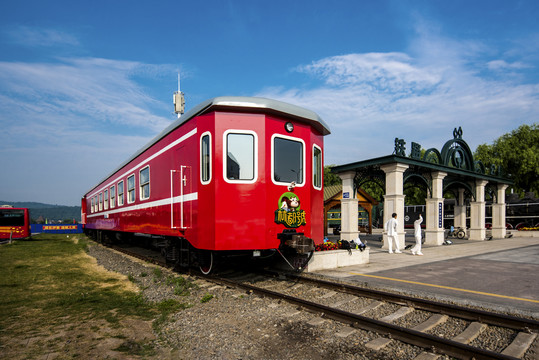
{"x": 225, "y": 323}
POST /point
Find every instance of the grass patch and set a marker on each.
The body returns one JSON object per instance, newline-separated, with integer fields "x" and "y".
{"x": 55, "y": 299}
{"x": 131, "y": 347}
{"x": 158, "y": 273}
{"x": 181, "y": 285}
{"x": 167, "y": 307}
{"x": 51, "y": 278}
{"x": 206, "y": 298}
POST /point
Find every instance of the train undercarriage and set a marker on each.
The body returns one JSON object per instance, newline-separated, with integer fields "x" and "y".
{"x": 295, "y": 250}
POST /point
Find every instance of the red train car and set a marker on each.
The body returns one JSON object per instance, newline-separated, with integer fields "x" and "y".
{"x": 233, "y": 175}
{"x": 14, "y": 223}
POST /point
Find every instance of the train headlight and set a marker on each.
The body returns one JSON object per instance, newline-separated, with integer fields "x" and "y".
{"x": 289, "y": 127}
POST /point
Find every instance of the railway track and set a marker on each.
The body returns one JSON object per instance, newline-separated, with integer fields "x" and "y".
{"x": 394, "y": 317}
{"x": 352, "y": 305}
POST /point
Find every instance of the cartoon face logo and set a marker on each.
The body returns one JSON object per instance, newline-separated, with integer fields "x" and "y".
{"x": 289, "y": 202}
{"x": 288, "y": 212}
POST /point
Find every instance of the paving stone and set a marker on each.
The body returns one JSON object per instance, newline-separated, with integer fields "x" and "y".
{"x": 519, "y": 345}
{"x": 316, "y": 322}
{"x": 346, "y": 332}
{"x": 403, "y": 311}
{"x": 471, "y": 332}
{"x": 430, "y": 323}
{"x": 378, "y": 343}
{"x": 426, "y": 356}
{"x": 373, "y": 305}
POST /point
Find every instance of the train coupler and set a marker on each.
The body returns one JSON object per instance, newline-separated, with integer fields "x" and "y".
{"x": 297, "y": 241}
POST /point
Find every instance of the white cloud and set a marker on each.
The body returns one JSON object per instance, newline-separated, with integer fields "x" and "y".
{"x": 387, "y": 72}
{"x": 80, "y": 92}
{"x": 504, "y": 65}
{"x": 369, "y": 99}
{"x": 40, "y": 37}
{"x": 76, "y": 116}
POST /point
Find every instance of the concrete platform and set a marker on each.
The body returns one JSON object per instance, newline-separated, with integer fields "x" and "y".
{"x": 499, "y": 274}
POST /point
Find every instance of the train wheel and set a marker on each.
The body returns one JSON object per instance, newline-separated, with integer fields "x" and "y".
{"x": 205, "y": 261}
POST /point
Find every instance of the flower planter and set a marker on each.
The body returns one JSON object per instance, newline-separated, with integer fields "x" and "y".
{"x": 332, "y": 259}
{"x": 531, "y": 233}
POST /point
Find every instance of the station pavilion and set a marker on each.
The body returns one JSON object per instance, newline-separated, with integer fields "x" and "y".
{"x": 332, "y": 199}
{"x": 452, "y": 169}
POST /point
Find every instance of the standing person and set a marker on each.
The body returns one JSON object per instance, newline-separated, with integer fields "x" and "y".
{"x": 391, "y": 228}
{"x": 416, "y": 250}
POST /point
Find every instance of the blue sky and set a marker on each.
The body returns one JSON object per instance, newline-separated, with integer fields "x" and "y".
{"x": 83, "y": 85}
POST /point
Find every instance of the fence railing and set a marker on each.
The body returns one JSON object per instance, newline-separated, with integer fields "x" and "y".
{"x": 56, "y": 229}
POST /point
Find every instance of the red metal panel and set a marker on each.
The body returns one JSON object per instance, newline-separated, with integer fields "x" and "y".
{"x": 14, "y": 227}
{"x": 220, "y": 215}
{"x": 153, "y": 215}
{"x": 240, "y": 222}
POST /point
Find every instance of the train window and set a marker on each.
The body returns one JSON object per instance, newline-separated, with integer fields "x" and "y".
{"x": 112, "y": 196}
{"x": 205, "y": 158}
{"x": 131, "y": 189}
{"x": 121, "y": 193}
{"x": 288, "y": 160}
{"x": 317, "y": 167}
{"x": 92, "y": 206}
{"x": 241, "y": 165}
{"x": 144, "y": 181}
{"x": 96, "y": 204}
{"x": 106, "y": 199}
{"x": 100, "y": 201}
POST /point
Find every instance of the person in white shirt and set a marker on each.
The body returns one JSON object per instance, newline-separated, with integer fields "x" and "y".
{"x": 416, "y": 250}
{"x": 391, "y": 229}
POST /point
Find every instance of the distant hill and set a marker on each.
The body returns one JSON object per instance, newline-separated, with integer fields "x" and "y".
{"x": 47, "y": 211}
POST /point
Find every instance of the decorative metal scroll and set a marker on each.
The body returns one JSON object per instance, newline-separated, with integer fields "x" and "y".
{"x": 424, "y": 178}
{"x": 455, "y": 153}
{"x": 370, "y": 174}
{"x": 433, "y": 156}
{"x": 457, "y": 134}
{"x": 451, "y": 185}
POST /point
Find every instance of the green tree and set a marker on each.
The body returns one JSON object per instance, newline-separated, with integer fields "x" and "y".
{"x": 374, "y": 190}
{"x": 518, "y": 154}
{"x": 330, "y": 178}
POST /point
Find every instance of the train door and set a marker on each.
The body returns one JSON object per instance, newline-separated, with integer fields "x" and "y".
{"x": 186, "y": 211}
{"x": 181, "y": 198}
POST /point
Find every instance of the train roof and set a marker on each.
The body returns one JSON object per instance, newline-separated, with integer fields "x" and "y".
{"x": 254, "y": 104}
{"x": 241, "y": 104}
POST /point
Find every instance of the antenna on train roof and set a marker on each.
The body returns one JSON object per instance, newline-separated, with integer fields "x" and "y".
{"x": 179, "y": 100}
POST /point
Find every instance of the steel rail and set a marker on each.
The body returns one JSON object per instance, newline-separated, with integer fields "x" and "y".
{"x": 483, "y": 316}
{"x": 424, "y": 340}
{"x": 413, "y": 337}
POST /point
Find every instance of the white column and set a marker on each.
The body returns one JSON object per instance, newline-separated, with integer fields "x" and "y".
{"x": 434, "y": 228}
{"x": 460, "y": 211}
{"x": 477, "y": 212}
{"x": 349, "y": 207}
{"x": 394, "y": 199}
{"x": 498, "y": 214}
